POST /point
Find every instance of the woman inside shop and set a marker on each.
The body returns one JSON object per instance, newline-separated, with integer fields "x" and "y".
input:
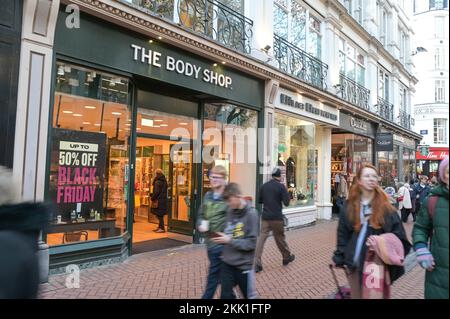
{"x": 368, "y": 221}
{"x": 159, "y": 199}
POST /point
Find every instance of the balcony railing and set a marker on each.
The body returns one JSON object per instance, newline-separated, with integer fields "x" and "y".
{"x": 353, "y": 92}
{"x": 405, "y": 120}
{"x": 300, "y": 64}
{"x": 208, "y": 17}
{"x": 385, "y": 109}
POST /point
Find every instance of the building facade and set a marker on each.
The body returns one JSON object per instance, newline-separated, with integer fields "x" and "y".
{"x": 120, "y": 88}
{"x": 431, "y": 100}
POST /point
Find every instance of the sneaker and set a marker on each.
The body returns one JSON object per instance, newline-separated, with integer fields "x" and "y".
{"x": 159, "y": 230}
{"x": 290, "y": 259}
{"x": 258, "y": 269}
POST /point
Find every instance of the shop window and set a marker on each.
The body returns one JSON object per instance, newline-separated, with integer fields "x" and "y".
{"x": 349, "y": 153}
{"x": 230, "y": 140}
{"x": 89, "y": 163}
{"x": 297, "y": 158}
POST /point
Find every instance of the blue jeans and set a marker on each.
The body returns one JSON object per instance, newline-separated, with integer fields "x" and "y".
{"x": 215, "y": 265}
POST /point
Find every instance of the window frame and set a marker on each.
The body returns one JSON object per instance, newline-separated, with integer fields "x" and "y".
{"x": 440, "y": 130}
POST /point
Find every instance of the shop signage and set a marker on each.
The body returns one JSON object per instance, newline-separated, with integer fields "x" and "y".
{"x": 303, "y": 106}
{"x": 384, "y": 142}
{"x": 180, "y": 66}
{"x": 356, "y": 125}
{"x": 423, "y": 132}
{"x": 406, "y": 142}
{"x": 77, "y": 179}
{"x": 433, "y": 154}
{"x": 132, "y": 53}
{"x": 360, "y": 145}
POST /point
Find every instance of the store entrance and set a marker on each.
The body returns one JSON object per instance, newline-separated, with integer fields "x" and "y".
{"x": 175, "y": 160}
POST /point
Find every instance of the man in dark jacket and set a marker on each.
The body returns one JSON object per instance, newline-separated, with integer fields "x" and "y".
{"x": 421, "y": 191}
{"x": 273, "y": 195}
{"x": 160, "y": 197}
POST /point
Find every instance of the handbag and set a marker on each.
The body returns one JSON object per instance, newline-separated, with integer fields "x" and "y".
{"x": 154, "y": 204}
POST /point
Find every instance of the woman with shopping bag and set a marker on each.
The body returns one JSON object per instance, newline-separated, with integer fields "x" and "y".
{"x": 367, "y": 214}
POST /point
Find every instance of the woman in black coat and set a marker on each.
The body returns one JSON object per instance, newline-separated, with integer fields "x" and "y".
{"x": 367, "y": 212}
{"x": 159, "y": 195}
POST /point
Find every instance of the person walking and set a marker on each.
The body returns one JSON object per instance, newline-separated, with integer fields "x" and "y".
{"x": 432, "y": 226}
{"x": 20, "y": 225}
{"x": 239, "y": 240}
{"x": 273, "y": 195}
{"x": 404, "y": 201}
{"x": 421, "y": 191}
{"x": 342, "y": 192}
{"x": 159, "y": 199}
{"x": 367, "y": 215}
{"x": 211, "y": 219}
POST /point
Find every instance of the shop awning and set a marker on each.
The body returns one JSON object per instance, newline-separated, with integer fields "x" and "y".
{"x": 434, "y": 154}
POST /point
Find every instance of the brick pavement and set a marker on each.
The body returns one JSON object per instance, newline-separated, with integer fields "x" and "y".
{"x": 180, "y": 273}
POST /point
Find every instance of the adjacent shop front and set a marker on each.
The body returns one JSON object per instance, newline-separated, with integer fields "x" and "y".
{"x": 428, "y": 163}
{"x": 300, "y": 125}
{"x": 352, "y": 146}
{"x": 125, "y": 105}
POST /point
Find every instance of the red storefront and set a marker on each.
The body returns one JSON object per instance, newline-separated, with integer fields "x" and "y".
{"x": 428, "y": 164}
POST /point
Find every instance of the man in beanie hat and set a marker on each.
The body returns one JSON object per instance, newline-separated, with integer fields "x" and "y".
{"x": 273, "y": 195}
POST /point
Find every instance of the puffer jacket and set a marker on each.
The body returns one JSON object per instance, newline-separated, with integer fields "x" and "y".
{"x": 436, "y": 281}
{"x": 160, "y": 194}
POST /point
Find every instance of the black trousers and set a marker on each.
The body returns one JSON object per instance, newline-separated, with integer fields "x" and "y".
{"x": 231, "y": 276}
{"x": 405, "y": 214}
{"x": 161, "y": 221}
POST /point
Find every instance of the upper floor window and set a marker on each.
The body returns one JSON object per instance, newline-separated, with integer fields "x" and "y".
{"x": 438, "y": 4}
{"x": 355, "y": 9}
{"x": 438, "y": 59}
{"x": 439, "y": 91}
{"x": 351, "y": 62}
{"x": 440, "y": 131}
{"x": 384, "y": 26}
{"x": 296, "y": 24}
{"x": 403, "y": 43}
{"x": 403, "y": 98}
{"x": 383, "y": 84}
{"x": 439, "y": 27}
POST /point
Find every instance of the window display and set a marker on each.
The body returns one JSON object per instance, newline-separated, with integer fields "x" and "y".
{"x": 89, "y": 169}
{"x": 297, "y": 158}
{"x": 230, "y": 139}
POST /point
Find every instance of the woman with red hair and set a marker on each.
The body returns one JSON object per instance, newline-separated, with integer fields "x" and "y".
{"x": 366, "y": 215}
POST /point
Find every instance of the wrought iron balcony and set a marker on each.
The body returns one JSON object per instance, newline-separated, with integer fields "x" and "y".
{"x": 385, "y": 109}
{"x": 405, "y": 120}
{"x": 353, "y": 92}
{"x": 300, "y": 64}
{"x": 208, "y": 17}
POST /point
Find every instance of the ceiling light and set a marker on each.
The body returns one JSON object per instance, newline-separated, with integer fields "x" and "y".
{"x": 156, "y": 126}
{"x": 160, "y": 38}
{"x": 96, "y": 124}
{"x": 158, "y": 120}
{"x": 215, "y": 64}
{"x": 78, "y": 115}
{"x": 147, "y": 122}
{"x": 68, "y": 112}
{"x": 128, "y": 124}
{"x": 183, "y": 123}
{"x": 90, "y": 107}
{"x": 86, "y": 123}
{"x": 150, "y": 41}
{"x": 116, "y": 113}
{"x": 164, "y": 125}
{"x": 223, "y": 62}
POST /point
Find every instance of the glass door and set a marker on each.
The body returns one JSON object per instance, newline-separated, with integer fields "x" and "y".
{"x": 180, "y": 191}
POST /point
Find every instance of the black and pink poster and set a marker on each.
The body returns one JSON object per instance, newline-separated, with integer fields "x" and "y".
{"x": 77, "y": 172}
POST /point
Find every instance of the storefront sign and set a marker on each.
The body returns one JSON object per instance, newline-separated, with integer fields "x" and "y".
{"x": 384, "y": 142}
{"x": 423, "y": 132}
{"x": 356, "y": 125}
{"x": 120, "y": 49}
{"x": 77, "y": 179}
{"x": 406, "y": 142}
{"x": 298, "y": 104}
{"x": 360, "y": 145}
{"x": 434, "y": 154}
